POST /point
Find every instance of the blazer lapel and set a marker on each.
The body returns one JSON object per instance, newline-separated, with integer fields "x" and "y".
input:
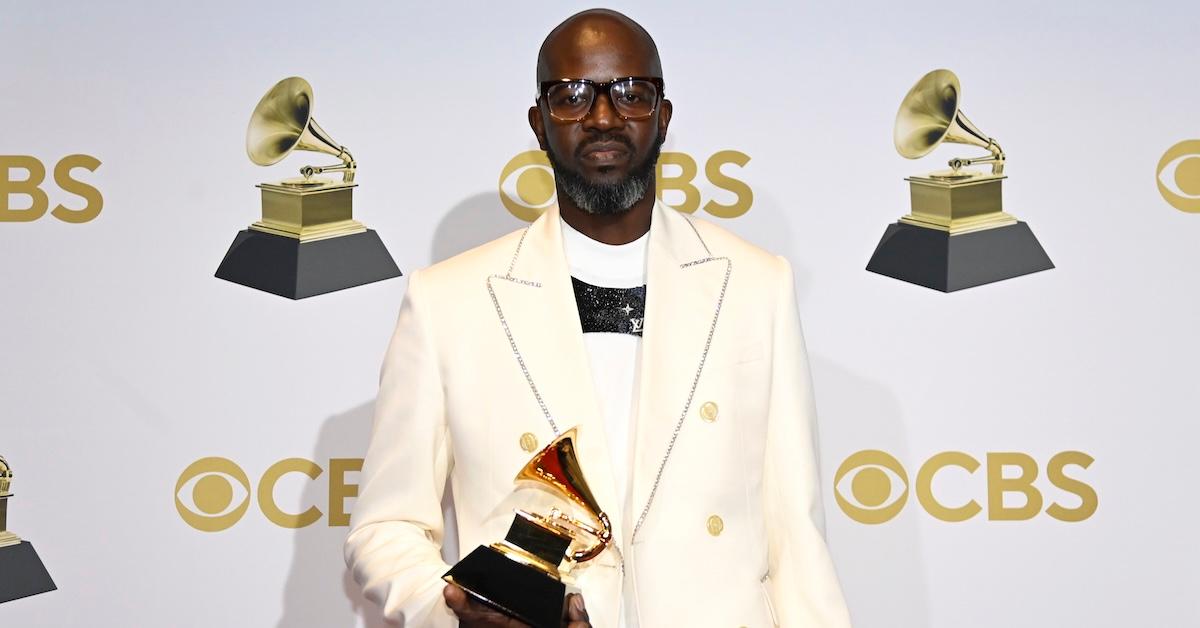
{"x": 537, "y": 301}
{"x": 685, "y": 288}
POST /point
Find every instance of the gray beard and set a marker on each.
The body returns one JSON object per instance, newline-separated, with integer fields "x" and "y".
{"x": 605, "y": 198}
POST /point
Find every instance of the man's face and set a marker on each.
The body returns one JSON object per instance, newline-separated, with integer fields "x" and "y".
{"x": 604, "y": 162}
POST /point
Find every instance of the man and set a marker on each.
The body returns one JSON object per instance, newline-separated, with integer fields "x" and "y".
{"x": 675, "y": 347}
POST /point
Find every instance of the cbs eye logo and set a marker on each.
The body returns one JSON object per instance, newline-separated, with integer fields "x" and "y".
{"x": 1178, "y": 176}
{"x": 39, "y": 202}
{"x": 213, "y": 494}
{"x": 527, "y": 184}
{"x": 872, "y": 487}
{"x": 205, "y": 494}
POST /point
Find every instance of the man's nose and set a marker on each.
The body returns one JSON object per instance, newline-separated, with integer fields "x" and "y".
{"x": 603, "y": 115}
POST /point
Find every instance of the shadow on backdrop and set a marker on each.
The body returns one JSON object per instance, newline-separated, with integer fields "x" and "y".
{"x": 320, "y": 590}
{"x": 477, "y": 219}
{"x": 881, "y": 567}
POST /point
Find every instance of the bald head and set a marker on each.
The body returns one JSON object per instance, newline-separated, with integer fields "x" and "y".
{"x": 604, "y": 143}
{"x": 594, "y": 39}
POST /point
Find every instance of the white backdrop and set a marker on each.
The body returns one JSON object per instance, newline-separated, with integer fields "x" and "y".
{"x": 123, "y": 361}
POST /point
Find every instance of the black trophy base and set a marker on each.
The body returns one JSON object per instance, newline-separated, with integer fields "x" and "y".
{"x": 517, "y": 590}
{"x": 22, "y": 573}
{"x": 935, "y": 259}
{"x": 293, "y": 269}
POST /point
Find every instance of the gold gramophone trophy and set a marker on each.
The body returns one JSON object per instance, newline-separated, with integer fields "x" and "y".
{"x": 523, "y": 575}
{"x": 22, "y": 573}
{"x": 957, "y": 234}
{"x": 307, "y": 242}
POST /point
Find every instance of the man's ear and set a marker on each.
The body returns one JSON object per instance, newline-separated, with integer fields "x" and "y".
{"x": 538, "y": 125}
{"x": 664, "y": 118}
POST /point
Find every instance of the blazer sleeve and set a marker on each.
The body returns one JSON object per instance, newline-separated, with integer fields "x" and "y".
{"x": 394, "y": 546}
{"x": 801, "y": 580}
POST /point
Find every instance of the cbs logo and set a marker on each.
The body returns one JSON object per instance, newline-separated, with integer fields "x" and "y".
{"x": 872, "y": 487}
{"x": 527, "y": 183}
{"x": 39, "y": 202}
{"x": 213, "y": 494}
{"x": 1178, "y": 176}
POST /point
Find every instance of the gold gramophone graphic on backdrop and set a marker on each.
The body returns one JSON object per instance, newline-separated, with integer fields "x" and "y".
{"x": 307, "y": 242}
{"x": 957, "y": 234}
{"x": 525, "y": 576}
{"x": 6, "y": 538}
{"x": 22, "y": 573}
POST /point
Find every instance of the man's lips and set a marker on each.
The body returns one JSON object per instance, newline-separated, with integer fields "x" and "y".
{"x": 604, "y": 151}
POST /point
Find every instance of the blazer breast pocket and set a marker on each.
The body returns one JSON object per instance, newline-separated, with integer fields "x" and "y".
{"x": 740, "y": 353}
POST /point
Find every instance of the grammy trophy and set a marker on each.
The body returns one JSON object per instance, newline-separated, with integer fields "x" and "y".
{"x": 525, "y": 575}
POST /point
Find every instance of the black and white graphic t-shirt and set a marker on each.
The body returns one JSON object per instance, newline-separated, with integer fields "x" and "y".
{"x": 610, "y": 294}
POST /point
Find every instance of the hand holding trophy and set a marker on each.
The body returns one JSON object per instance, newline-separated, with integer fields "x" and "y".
{"x": 522, "y": 576}
{"x": 473, "y": 614}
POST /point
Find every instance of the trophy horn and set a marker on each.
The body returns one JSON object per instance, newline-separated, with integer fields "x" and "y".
{"x": 557, "y": 466}
{"x": 282, "y": 122}
{"x": 929, "y": 115}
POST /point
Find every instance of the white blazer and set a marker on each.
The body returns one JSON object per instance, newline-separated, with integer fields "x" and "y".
{"x": 734, "y": 534}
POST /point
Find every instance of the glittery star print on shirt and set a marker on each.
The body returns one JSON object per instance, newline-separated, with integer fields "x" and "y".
{"x": 614, "y": 310}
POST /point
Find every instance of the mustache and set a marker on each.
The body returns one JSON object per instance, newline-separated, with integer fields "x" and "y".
{"x": 604, "y": 137}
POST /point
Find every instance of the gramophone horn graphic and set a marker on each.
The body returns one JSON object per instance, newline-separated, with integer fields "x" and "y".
{"x": 307, "y": 242}
{"x": 523, "y": 575}
{"x": 957, "y": 234}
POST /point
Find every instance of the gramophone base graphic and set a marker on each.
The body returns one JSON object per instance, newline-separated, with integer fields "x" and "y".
{"x": 306, "y": 244}
{"x": 22, "y": 573}
{"x": 957, "y": 236}
{"x": 935, "y": 259}
{"x": 294, "y": 269}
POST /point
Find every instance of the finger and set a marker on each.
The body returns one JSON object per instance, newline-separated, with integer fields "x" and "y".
{"x": 471, "y": 611}
{"x": 568, "y": 605}
{"x": 576, "y": 610}
{"x": 463, "y": 604}
{"x": 566, "y": 609}
{"x": 460, "y": 602}
{"x": 455, "y": 597}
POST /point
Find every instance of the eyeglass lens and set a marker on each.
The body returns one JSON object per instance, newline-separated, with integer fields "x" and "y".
{"x": 573, "y": 101}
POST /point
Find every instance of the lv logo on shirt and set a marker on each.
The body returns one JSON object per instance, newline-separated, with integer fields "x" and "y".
{"x": 613, "y": 310}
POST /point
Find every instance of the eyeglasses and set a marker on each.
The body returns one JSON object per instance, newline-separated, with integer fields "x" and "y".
{"x": 570, "y": 100}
